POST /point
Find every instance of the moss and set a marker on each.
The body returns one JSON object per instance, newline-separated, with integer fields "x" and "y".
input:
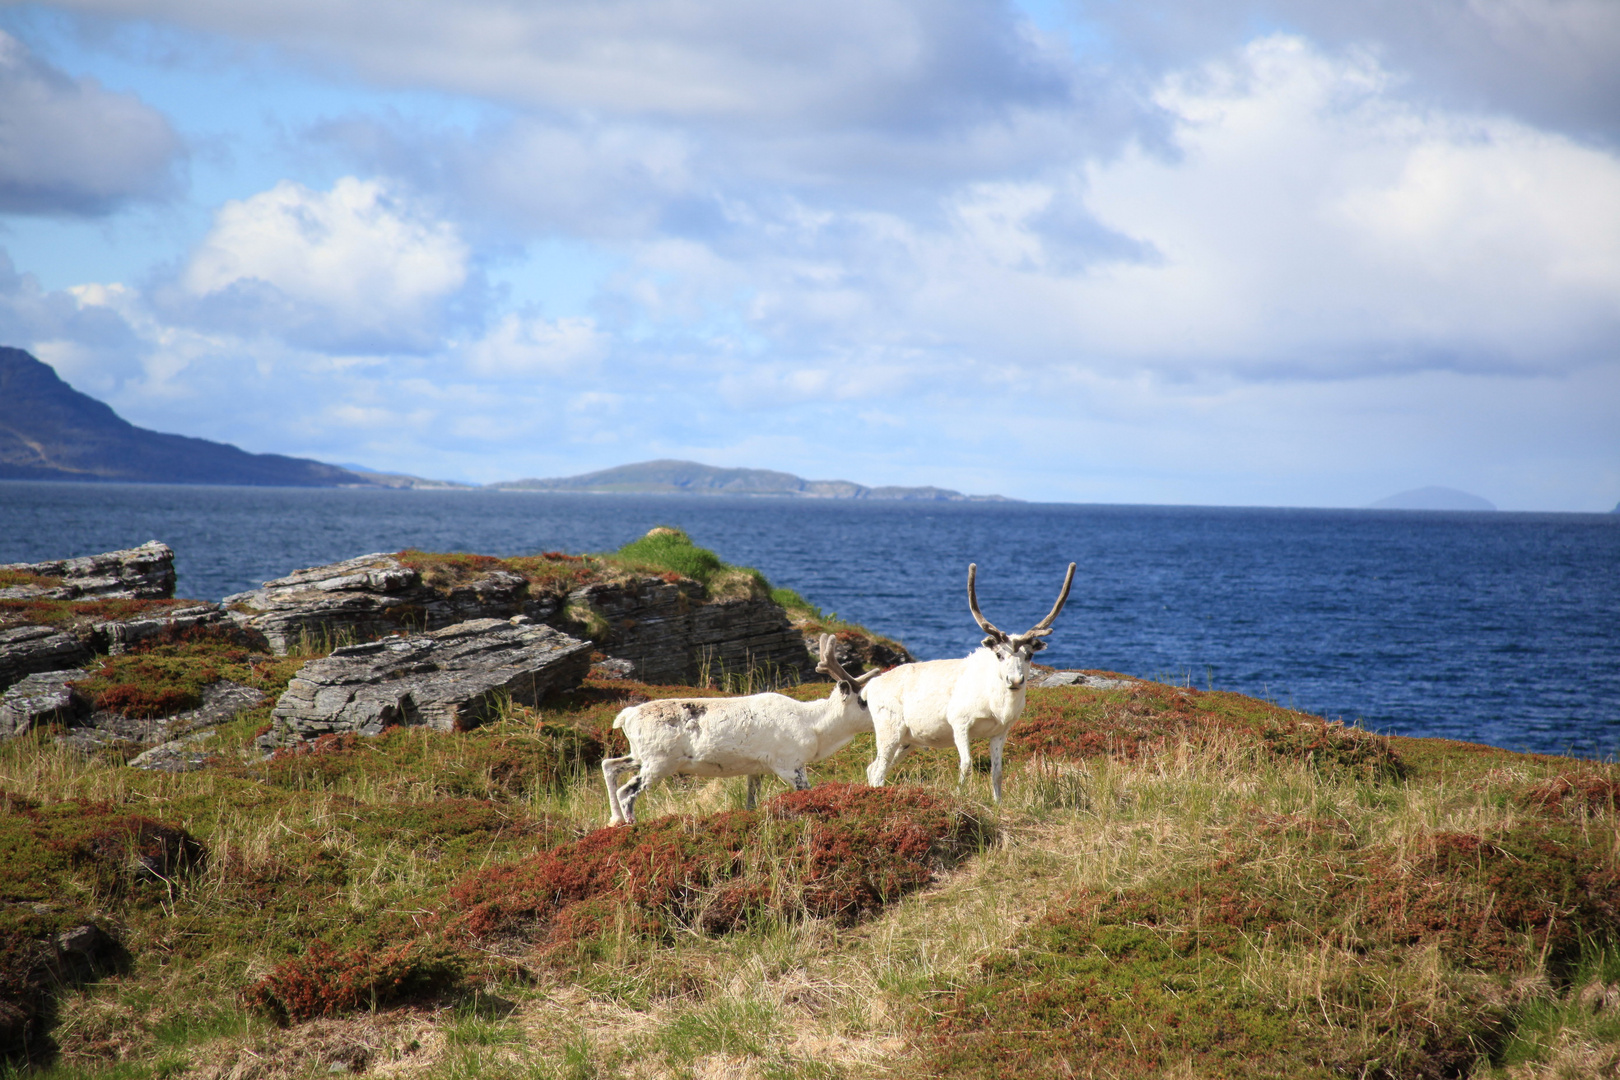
{"x": 10, "y": 579}
{"x": 670, "y": 550}
{"x": 83, "y": 614}
{"x": 166, "y": 676}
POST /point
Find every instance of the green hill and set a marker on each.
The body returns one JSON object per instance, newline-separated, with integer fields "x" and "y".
{"x": 667, "y": 477}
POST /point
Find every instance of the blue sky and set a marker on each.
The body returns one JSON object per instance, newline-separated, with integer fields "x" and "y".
{"x": 1241, "y": 252}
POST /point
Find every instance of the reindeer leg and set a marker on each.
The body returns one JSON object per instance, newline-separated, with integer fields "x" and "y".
{"x": 753, "y": 791}
{"x": 611, "y": 768}
{"x": 995, "y": 766}
{"x": 964, "y": 753}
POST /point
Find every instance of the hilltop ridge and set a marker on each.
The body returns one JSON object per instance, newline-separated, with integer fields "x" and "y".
{"x": 50, "y": 431}
{"x": 671, "y": 477}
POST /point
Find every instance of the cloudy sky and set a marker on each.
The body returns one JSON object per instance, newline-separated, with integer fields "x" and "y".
{"x": 1242, "y": 252}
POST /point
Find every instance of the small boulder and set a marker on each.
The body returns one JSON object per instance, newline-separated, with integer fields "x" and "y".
{"x": 44, "y": 697}
{"x": 141, "y": 573}
{"x": 450, "y": 680}
{"x": 1080, "y": 678}
{"x": 27, "y": 650}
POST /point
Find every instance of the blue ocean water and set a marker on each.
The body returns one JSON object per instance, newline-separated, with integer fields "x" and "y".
{"x": 1499, "y": 628}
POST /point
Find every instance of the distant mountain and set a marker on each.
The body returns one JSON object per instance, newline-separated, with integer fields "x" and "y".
{"x": 1433, "y": 498}
{"x": 691, "y": 478}
{"x": 50, "y": 431}
{"x": 405, "y": 480}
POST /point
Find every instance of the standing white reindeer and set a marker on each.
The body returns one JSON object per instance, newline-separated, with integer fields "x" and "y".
{"x": 747, "y": 736}
{"x": 942, "y": 703}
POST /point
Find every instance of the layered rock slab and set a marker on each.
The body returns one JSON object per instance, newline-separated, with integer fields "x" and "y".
{"x": 44, "y": 697}
{"x": 451, "y": 679}
{"x": 140, "y": 573}
{"x": 29, "y": 650}
{"x": 667, "y": 631}
{"x": 371, "y": 596}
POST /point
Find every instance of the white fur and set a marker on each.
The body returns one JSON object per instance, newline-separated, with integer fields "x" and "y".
{"x": 945, "y": 703}
{"x": 748, "y": 736}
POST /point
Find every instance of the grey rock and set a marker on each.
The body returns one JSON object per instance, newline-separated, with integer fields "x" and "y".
{"x": 1080, "y": 678}
{"x": 670, "y": 635}
{"x": 81, "y": 951}
{"x": 176, "y": 755}
{"x": 119, "y": 637}
{"x": 142, "y": 573}
{"x": 450, "y": 680}
{"x": 25, "y": 650}
{"x": 41, "y": 698}
{"x": 669, "y": 632}
{"x": 371, "y": 596}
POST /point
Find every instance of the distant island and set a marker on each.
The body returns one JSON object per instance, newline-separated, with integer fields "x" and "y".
{"x": 691, "y": 478}
{"x": 1433, "y": 498}
{"x": 50, "y": 431}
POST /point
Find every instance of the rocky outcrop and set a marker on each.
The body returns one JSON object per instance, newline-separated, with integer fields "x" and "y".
{"x": 450, "y": 680}
{"x": 669, "y": 634}
{"x": 667, "y": 631}
{"x": 42, "y": 698}
{"x": 25, "y": 650}
{"x": 142, "y": 573}
{"x": 371, "y": 596}
{"x": 1080, "y": 678}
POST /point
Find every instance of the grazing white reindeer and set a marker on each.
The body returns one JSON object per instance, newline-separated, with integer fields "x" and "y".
{"x": 747, "y": 736}
{"x": 942, "y": 703}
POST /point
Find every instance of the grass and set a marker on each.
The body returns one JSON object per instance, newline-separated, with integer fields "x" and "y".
{"x": 1179, "y": 884}
{"x": 1172, "y": 888}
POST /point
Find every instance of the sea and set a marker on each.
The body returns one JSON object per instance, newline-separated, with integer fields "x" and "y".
{"x": 1491, "y": 627}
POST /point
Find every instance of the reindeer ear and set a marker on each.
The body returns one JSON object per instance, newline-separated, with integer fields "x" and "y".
{"x": 1037, "y": 645}
{"x": 990, "y": 642}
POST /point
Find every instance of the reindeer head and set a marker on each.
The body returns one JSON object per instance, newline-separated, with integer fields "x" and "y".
{"x": 848, "y": 685}
{"x": 1014, "y": 652}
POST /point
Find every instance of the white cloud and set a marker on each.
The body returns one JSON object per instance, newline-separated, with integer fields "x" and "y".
{"x": 355, "y": 268}
{"x": 67, "y": 146}
{"x": 1305, "y": 222}
{"x": 840, "y": 62}
{"x": 525, "y": 346}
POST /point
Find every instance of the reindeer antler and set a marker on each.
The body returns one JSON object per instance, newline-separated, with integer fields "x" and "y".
{"x": 1045, "y": 625}
{"x": 973, "y": 605}
{"x": 830, "y": 666}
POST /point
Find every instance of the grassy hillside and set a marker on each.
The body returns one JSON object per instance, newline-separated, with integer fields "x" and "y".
{"x": 1179, "y": 884}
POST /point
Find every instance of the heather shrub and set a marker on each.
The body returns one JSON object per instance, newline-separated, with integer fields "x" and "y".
{"x": 837, "y": 851}
{"x": 1072, "y": 724}
{"x": 329, "y": 981}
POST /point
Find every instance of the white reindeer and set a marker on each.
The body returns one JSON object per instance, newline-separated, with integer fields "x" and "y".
{"x": 942, "y": 703}
{"x": 747, "y": 736}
